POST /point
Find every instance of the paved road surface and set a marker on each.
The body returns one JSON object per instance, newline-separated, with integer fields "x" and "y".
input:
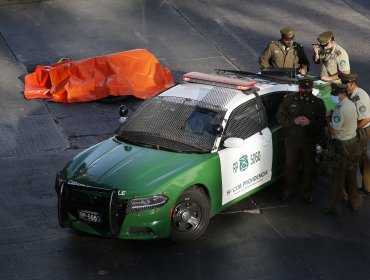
{"x": 271, "y": 240}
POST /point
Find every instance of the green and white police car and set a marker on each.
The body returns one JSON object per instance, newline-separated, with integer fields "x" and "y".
{"x": 181, "y": 158}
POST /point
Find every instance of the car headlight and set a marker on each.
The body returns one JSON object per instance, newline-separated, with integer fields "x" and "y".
{"x": 146, "y": 203}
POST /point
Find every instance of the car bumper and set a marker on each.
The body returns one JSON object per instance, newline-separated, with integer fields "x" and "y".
{"x": 100, "y": 211}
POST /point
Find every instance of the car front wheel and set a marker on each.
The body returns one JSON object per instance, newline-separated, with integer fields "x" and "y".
{"x": 190, "y": 216}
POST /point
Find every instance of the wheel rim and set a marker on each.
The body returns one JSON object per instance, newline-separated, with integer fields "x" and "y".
{"x": 187, "y": 216}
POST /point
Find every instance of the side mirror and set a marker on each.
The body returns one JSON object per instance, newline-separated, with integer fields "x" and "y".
{"x": 233, "y": 142}
{"x": 218, "y": 129}
{"x": 122, "y": 111}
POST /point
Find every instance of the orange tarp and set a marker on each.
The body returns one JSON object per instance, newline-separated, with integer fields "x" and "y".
{"x": 135, "y": 72}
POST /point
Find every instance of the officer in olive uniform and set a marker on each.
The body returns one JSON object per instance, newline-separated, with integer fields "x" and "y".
{"x": 302, "y": 116}
{"x": 285, "y": 53}
{"x": 333, "y": 58}
{"x": 343, "y": 151}
{"x": 362, "y": 102}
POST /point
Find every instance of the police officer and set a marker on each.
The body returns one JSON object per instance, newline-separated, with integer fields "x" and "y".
{"x": 343, "y": 151}
{"x": 285, "y": 53}
{"x": 333, "y": 58}
{"x": 302, "y": 116}
{"x": 362, "y": 102}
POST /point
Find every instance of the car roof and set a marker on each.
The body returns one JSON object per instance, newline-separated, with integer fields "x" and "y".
{"x": 265, "y": 86}
{"x": 222, "y": 89}
{"x": 215, "y": 95}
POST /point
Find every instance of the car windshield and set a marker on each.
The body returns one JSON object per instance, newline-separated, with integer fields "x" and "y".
{"x": 174, "y": 124}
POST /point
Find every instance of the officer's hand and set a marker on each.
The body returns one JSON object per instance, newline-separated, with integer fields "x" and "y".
{"x": 316, "y": 49}
{"x": 325, "y": 78}
{"x": 297, "y": 120}
{"x": 302, "y": 71}
{"x": 305, "y": 121}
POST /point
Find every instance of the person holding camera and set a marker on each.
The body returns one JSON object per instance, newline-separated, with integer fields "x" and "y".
{"x": 332, "y": 57}
{"x": 344, "y": 152}
{"x": 302, "y": 116}
{"x": 285, "y": 53}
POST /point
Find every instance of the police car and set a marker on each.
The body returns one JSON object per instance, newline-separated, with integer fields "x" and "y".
{"x": 181, "y": 158}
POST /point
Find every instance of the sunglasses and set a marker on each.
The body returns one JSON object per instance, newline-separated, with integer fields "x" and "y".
{"x": 288, "y": 38}
{"x": 324, "y": 44}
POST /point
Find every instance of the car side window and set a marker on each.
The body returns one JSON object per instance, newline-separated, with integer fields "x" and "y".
{"x": 272, "y": 102}
{"x": 247, "y": 119}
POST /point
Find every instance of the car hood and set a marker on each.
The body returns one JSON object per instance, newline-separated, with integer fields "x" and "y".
{"x": 133, "y": 169}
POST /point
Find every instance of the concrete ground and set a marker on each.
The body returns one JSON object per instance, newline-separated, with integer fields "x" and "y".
{"x": 260, "y": 238}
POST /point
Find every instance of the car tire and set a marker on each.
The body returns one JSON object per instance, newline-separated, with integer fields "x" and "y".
{"x": 191, "y": 214}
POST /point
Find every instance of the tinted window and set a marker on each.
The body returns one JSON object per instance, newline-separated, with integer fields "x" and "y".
{"x": 272, "y": 102}
{"x": 247, "y": 119}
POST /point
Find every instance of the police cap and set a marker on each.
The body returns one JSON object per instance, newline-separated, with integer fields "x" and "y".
{"x": 336, "y": 89}
{"x": 346, "y": 78}
{"x": 287, "y": 32}
{"x": 305, "y": 83}
{"x": 325, "y": 37}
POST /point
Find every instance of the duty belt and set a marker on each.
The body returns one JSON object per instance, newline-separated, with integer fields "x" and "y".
{"x": 346, "y": 142}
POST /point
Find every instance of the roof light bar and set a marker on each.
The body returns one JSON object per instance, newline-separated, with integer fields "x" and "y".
{"x": 210, "y": 79}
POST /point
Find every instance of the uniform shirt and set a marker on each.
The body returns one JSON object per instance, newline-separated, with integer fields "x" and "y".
{"x": 344, "y": 119}
{"x": 294, "y": 106}
{"x": 276, "y": 55}
{"x": 334, "y": 62}
{"x": 362, "y": 102}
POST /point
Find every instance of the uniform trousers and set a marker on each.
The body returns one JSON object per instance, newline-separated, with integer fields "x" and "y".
{"x": 344, "y": 178}
{"x": 343, "y": 172}
{"x": 300, "y": 156}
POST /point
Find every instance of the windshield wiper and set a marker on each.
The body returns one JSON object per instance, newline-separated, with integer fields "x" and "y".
{"x": 146, "y": 145}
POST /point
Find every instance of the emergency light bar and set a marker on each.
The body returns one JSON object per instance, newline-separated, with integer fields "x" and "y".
{"x": 210, "y": 79}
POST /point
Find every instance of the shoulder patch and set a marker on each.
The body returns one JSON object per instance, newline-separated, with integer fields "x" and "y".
{"x": 343, "y": 63}
{"x": 336, "y": 119}
{"x": 362, "y": 109}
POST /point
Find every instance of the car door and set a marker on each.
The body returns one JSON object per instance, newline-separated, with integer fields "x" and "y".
{"x": 246, "y": 166}
{"x": 271, "y": 102}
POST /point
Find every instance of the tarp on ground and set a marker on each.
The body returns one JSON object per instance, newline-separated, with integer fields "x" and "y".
{"x": 135, "y": 72}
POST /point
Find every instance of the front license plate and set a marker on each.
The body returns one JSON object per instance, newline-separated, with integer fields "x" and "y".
{"x": 89, "y": 216}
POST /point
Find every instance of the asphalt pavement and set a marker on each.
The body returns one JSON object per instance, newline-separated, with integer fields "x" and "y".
{"x": 259, "y": 238}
